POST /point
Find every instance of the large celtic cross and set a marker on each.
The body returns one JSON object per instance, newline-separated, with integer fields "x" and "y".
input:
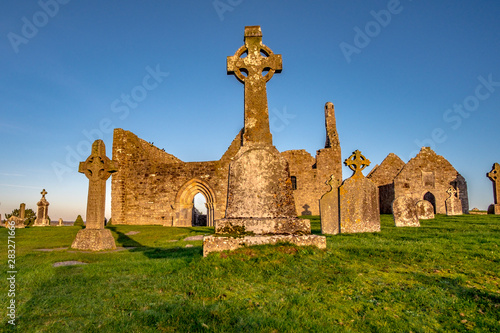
{"x": 494, "y": 175}
{"x": 98, "y": 167}
{"x": 254, "y": 64}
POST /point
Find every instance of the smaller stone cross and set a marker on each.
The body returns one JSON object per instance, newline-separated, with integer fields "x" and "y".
{"x": 43, "y": 193}
{"x": 451, "y": 192}
{"x": 357, "y": 162}
{"x": 494, "y": 175}
{"x": 98, "y": 168}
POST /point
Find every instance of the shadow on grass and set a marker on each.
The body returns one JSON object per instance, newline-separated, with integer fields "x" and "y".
{"x": 158, "y": 252}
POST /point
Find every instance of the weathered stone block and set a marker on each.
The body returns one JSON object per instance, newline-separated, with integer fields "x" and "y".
{"x": 425, "y": 210}
{"x": 263, "y": 226}
{"x": 219, "y": 244}
{"x": 94, "y": 240}
{"x": 404, "y": 212}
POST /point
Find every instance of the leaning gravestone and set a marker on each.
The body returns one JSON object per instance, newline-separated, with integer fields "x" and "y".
{"x": 98, "y": 168}
{"x": 329, "y": 208}
{"x": 42, "y": 217}
{"x": 494, "y": 176}
{"x": 404, "y": 212}
{"x": 359, "y": 204}
{"x": 453, "y": 203}
{"x": 425, "y": 210}
{"x": 260, "y": 206}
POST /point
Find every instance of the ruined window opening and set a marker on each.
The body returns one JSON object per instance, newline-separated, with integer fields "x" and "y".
{"x": 294, "y": 182}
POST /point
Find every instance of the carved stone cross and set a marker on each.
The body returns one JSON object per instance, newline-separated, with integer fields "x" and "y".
{"x": 357, "y": 162}
{"x": 98, "y": 167}
{"x": 494, "y": 175}
{"x": 43, "y": 193}
{"x": 251, "y": 71}
{"x": 451, "y": 192}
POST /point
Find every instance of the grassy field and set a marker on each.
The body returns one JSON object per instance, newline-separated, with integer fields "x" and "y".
{"x": 443, "y": 276}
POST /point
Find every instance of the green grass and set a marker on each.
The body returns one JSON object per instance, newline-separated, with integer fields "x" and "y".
{"x": 443, "y": 276}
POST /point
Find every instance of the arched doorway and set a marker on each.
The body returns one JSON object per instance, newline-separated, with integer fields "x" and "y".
{"x": 199, "y": 210}
{"x": 184, "y": 203}
{"x": 432, "y": 199}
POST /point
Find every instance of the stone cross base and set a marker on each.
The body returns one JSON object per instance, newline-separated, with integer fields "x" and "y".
{"x": 94, "y": 240}
{"x": 453, "y": 206}
{"x": 263, "y": 226}
{"x": 41, "y": 223}
{"x": 221, "y": 243}
{"x": 494, "y": 209}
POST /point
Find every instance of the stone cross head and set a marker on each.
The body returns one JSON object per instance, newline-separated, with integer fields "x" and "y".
{"x": 98, "y": 166}
{"x": 43, "y": 193}
{"x": 494, "y": 173}
{"x": 357, "y": 162}
{"x": 451, "y": 192}
{"x": 259, "y": 58}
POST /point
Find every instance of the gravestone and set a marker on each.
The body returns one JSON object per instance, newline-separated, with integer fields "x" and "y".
{"x": 425, "y": 210}
{"x": 97, "y": 168}
{"x": 359, "y": 203}
{"x": 260, "y": 205}
{"x": 329, "y": 208}
{"x": 42, "y": 216}
{"x": 453, "y": 203}
{"x": 18, "y": 221}
{"x": 60, "y": 222}
{"x": 404, "y": 212}
{"x": 494, "y": 176}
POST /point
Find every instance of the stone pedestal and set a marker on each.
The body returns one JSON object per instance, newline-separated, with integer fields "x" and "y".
{"x": 404, "y": 212}
{"x": 94, "y": 240}
{"x": 425, "y": 210}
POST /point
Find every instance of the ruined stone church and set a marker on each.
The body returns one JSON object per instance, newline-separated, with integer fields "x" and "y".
{"x": 154, "y": 187}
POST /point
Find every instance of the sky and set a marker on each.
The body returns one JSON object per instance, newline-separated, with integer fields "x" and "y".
{"x": 401, "y": 74}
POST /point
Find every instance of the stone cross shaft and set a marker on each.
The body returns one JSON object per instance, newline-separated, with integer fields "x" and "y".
{"x": 494, "y": 175}
{"x": 250, "y": 70}
{"x": 98, "y": 167}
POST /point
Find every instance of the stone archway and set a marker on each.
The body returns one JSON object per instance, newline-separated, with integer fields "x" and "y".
{"x": 432, "y": 199}
{"x": 184, "y": 202}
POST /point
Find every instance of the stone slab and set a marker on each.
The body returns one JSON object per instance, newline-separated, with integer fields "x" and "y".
{"x": 329, "y": 209}
{"x": 453, "y": 206}
{"x": 68, "y": 263}
{"x": 219, "y": 244}
{"x": 425, "y": 210}
{"x": 263, "y": 226}
{"x": 94, "y": 240}
{"x": 404, "y": 212}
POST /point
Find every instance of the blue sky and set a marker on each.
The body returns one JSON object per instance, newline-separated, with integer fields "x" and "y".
{"x": 402, "y": 74}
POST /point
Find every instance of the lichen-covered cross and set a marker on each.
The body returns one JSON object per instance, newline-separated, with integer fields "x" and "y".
{"x": 357, "y": 162}
{"x": 451, "y": 192}
{"x": 494, "y": 175}
{"x": 251, "y": 71}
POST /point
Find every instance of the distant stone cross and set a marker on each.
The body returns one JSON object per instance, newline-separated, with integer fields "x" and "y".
{"x": 494, "y": 175}
{"x": 357, "y": 162}
{"x": 98, "y": 168}
{"x": 250, "y": 70}
{"x": 451, "y": 192}
{"x": 43, "y": 193}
